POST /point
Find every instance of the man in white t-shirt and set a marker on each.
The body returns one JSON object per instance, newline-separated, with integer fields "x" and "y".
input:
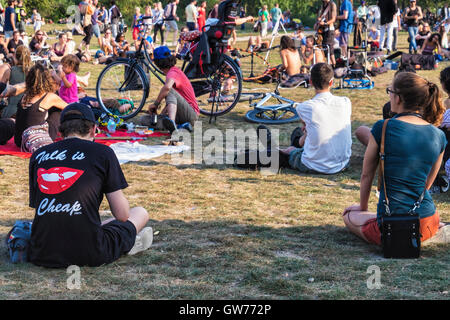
{"x": 326, "y": 143}
{"x": 191, "y": 15}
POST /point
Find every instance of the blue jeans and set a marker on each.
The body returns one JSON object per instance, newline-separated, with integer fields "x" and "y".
{"x": 412, "y": 38}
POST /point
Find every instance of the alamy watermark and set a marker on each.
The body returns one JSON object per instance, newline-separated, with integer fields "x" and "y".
{"x": 74, "y": 279}
{"x": 374, "y": 280}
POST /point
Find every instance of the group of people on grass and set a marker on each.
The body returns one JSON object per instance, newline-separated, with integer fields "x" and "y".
{"x": 69, "y": 178}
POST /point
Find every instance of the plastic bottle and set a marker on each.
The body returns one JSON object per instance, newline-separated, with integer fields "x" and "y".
{"x": 111, "y": 126}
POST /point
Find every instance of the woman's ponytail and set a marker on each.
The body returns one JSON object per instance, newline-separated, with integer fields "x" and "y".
{"x": 433, "y": 109}
{"x": 418, "y": 94}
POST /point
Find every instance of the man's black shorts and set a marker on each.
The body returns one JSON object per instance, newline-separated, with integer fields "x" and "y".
{"x": 328, "y": 38}
{"x": 119, "y": 239}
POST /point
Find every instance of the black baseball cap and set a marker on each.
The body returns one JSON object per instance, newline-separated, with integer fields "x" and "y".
{"x": 84, "y": 112}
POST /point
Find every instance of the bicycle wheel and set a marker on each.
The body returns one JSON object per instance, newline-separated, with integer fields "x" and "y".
{"x": 279, "y": 116}
{"x": 122, "y": 80}
{"x": 218, "y": 93}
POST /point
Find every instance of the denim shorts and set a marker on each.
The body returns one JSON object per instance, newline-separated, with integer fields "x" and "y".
{"x": 295, "y": 161}
{"x": 171, "y": 25}
{"x": 96, "y": 30}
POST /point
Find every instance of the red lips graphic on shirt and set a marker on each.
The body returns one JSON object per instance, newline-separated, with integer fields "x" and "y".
{"x": 58, "y": 179}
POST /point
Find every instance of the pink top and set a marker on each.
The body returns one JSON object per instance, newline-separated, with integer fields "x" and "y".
{"x": 69, "y": 95}
{"x": 183, "y": 86}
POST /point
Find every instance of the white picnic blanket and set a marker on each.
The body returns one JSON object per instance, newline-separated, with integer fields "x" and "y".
{"x": 134, "y": 151}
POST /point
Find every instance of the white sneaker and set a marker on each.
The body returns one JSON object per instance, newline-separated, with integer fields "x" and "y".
{"x": 144, "y": 240}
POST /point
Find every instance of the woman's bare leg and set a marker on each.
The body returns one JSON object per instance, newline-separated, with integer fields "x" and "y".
{"x": 355, "y": 220}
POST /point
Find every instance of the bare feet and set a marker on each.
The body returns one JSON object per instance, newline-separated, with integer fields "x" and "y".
{"x": 84, "y": 80}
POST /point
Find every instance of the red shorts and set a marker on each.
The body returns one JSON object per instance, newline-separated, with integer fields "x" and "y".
{"x": 428, "y": 228}
{"x": 135, "y": 33}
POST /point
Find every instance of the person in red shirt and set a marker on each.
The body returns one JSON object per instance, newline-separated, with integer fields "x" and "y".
{"x": 181, "y": 105}
{"x": 201, "y": 20}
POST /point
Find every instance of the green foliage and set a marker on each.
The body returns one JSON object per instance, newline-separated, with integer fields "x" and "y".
{"x": 305, "y": 10}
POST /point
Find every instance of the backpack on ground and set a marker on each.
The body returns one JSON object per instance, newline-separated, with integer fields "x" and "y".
{"x": 18, "y": 240}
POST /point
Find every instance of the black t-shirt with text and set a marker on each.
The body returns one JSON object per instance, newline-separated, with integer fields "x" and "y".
{"x": 67, "y": 182}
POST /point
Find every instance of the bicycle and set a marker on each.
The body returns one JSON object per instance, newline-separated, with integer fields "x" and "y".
{"x": 215, "y": 77}
{"x": 281, "y": 113}
{"x": 125, "y": 79}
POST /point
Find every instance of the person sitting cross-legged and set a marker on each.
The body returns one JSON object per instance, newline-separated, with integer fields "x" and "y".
{"x": 68, "y": 180}
{"x": 181, "y": 105}
{"x": 413, "y": 152}
{"x": 324, "y": 143}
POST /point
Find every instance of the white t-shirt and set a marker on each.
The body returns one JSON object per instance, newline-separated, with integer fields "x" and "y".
{"x": 374, "y": 35}
{"x": 191, "y": 13}
{"x": 70, "y": 46}
{"x": 328, "y": 143}
{"x": 395, "y": 22}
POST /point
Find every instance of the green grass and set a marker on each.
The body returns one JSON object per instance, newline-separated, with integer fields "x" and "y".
{"x": 226, "y": 233}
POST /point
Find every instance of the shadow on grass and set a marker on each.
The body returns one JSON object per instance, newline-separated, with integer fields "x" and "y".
{"x": 232, "y": 260}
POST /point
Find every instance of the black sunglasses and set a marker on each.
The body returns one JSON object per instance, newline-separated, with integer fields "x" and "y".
{"x": 389, "y": 90}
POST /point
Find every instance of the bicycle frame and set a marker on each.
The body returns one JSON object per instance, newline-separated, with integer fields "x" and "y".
{"x": 140, "y": 54}
{"x": 260, "y": 105}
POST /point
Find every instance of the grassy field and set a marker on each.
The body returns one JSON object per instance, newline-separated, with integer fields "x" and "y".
{"x": 226, "y": 233}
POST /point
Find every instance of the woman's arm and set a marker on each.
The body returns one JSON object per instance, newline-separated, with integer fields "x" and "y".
{"x": 14, "y": 90}
{"x": 6, "y": 76}
{"x": 423, "y": 46}
{"x": 53, "y": 100}
{"x": 66, "y": 82}
{"x": 370, "y": 164}
{"x": 439, "y": 49}
{"x": 420, "y": 17}
{"x": 434, "y": 171}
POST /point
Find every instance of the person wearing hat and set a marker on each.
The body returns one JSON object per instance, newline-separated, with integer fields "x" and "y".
{"x": 413, "y": 14}
{"x": 70, "y": 43}
{"x": 181, "y": 105}
{"x": 68, "y": 180}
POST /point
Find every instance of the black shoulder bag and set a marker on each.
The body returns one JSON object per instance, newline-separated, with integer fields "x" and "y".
{"x": 400, "y": 232}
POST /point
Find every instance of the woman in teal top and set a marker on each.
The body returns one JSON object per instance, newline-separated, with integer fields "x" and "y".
{"x": 414, "y": 148}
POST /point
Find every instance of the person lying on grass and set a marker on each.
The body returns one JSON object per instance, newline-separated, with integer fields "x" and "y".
{"x": 68, "y": 180}
{"x": 414, "y": 149}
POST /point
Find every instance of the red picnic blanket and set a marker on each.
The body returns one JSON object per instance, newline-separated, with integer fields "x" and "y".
{"x": 11, "y": 149}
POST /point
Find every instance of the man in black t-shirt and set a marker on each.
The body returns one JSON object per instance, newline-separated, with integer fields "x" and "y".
{"x": 67, "y": 182}
{"x": 38, "y": 42}
{"x": 14, "y": 42}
